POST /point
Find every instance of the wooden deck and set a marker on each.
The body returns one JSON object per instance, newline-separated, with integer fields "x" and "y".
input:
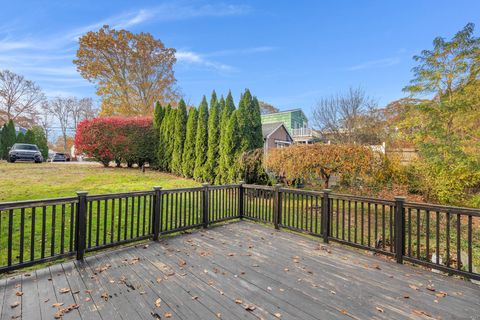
{"x": 237, "y": 271}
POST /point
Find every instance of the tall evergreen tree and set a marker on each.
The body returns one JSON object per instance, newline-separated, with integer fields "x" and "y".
{"x": 213, "y": 139}
{"x": 250, "y": 123}
{"x": 201, "y": 142}
{"x": 170, "y": 133}
{"x": 40, "y": 140}
{"x": 158, "y": 115}
{"x": 179, "y": 137}
{"x": 9, "y": 137}
{"x": 188, "y": 157}
{"x": 228, "y": 107}
{"x": 20, "y": 137}
{"x": 163, "y": 148}
{"x": 30, "y": 137}
{"x": 232, "y": 149}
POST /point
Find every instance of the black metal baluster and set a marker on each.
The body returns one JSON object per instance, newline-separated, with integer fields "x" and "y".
{"x": 97, "y": 231}
{"x": 369, "y": 221}
{"x": 22, "y": 233}
{"x": 349, "y": 220}
{"x": 362, "y": 223}
{"x": 470, "y": 262}
{"x": 383, "y": 227}
{"x": 448, "y": 240}
{"x": 10, "y": 236}
{"x": 119, "y": 225}
{"x": 138, "y": 215}
{"x": 132, "y": 221}
{"x": 32, "y": 235}
{"x": 418, "y": 233}
{"x": 459, "y": 248}
{"x": 54, "y": 218}
{"x": 427, "y": 235}
{"x": 105, "y": 220}
{"x": 355, "y": 232}
{"x": 391, "y": 227}
{"x": 125, "y": 227}
{"x": 72, "y": 225}
{"x": 144, "y": 214}
{"x": 409, "y": 232}
{"x": 89, "y": 224}
{"x": 44, "y": 230}
{"x": 62, "y": 234}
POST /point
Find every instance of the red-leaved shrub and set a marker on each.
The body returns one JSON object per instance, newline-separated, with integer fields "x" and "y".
{"x": 119, "y": 139}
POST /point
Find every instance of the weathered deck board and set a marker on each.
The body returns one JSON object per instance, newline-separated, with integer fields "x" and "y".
{"x": 204, "y": 274}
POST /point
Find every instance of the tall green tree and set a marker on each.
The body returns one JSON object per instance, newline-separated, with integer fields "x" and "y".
{"x": 201, "y": 142}
{"x": 227, "y": 108}
{"x": 30, "y": 137}
{"x": 158, "y": 115}
{"x": 233, "y": 143}
{"x": 40, "y": 140}
{"x": 250, "y": 123}
{"x": 188, "y": 157}
{"x": 213, "y": 139}
{"x": 164, "y": 150}
{"x": 20, "y": 138}
{"x": 179, "y": 137}
{"x": 8, "y": 137}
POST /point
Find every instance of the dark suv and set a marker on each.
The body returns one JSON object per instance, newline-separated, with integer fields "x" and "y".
{"x": 24, "y": 152}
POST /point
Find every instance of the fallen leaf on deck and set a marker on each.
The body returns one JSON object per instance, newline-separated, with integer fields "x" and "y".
{"x": 194, "y": 297}
{"x": 182, "y": 263}
{"x": 379, "y": 309}
{"x": 219, "y": 315}
{"x": 430, "y": 288}
{"x": 168, "y": 315}
{"x": 278, "y": 315}
{"x": 250, "y": 307}
{"x": 441, "y": 294}
{"x": 19, "y": 293}
{"x": 159, "y": 280}
{"x": 158, "y": 302}
{"x": 64, "y": 290}
{"x": 238, "y": 301}
{"x": 413, "y": 287}
{"x": 421, "y": 312}
{"x": 231, "y": 254}
{"x": 15, "y": 304}
{"x": 57, "y": 305}
{"x": 105, "y": 296}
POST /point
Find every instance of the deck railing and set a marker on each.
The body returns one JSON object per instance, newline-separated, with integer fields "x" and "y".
{"x": 440, "y": 237}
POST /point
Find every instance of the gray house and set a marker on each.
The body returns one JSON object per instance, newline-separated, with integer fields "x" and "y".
{"x": 275, "y": 135}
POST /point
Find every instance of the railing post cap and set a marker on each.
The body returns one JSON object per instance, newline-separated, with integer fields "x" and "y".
{"x": 278, "y": 185}
{"x": 241, "y": 182}
{"x": 82, "y": 193}
{"x": 327, "y": 190}
{"x": 205, "y": 184}
{"x": 400, "y": 198}
{"x": 157, "y": 188}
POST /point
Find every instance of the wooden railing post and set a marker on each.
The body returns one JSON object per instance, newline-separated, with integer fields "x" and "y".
{"x": 399, "y": 220}
{"x": 277, "y": 209}
{"x": 326, "y": 215}
{"x": 241, "y": 196}
{"x": 205, "y": 205}
{"x": 157, "y": 216}
{"x": 81, "y": 222}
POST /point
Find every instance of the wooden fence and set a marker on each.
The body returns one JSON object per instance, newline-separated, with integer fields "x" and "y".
{"x": 440, "y": 237}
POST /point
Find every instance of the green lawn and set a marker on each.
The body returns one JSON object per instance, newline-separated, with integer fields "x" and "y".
{"x": 26, "y": 181}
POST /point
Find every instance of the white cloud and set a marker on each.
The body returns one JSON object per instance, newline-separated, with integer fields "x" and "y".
{"x": 243, "y": 51}
{"x": 190, "y": 57}
{"x": 7, "y": 45}
{"x": 381, "y": 63}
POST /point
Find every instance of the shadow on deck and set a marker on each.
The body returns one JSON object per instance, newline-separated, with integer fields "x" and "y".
{"x": 236, "y": 271}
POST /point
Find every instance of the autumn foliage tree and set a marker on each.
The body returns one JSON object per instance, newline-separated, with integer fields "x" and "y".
{"x": 319, "y": 162}
{"x": 131, "y": 71}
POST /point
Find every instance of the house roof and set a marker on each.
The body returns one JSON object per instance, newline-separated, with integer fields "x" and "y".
{"x": 269, "y": 128}
{"x": 286, "y": 111}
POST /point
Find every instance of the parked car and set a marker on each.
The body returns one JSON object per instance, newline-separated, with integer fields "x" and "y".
{"x": 60, "y": 157}
{"x": 24, "y": 152}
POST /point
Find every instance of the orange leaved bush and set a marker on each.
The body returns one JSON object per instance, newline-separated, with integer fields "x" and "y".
{"x": 318, "y": 162}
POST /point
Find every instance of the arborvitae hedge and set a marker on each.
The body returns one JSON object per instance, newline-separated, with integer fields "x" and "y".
{"x": 201, "y": 142}
{"x": 206, "y": 143}
{"x": 188, "y": 157}
{"x": 179, "y": 137}
{"x": 213, "y": 139}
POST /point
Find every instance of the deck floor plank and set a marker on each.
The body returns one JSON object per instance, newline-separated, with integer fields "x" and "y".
{"x": 201, "y": 274}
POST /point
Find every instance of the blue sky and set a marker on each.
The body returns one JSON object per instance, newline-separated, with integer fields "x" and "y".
{"x": 289, "y": 53}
